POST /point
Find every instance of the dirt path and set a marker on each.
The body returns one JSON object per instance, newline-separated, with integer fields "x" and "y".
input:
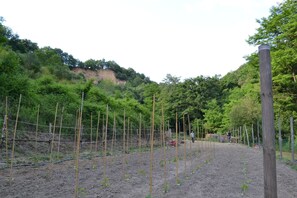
{"x": 211, "y": 170}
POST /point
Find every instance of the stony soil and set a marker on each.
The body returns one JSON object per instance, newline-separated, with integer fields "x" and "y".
{"x": 212, "y": 170}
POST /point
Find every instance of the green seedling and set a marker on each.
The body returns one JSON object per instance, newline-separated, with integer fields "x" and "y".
{"x": 162, "y": 163}
{"x": 141, "y": 172}
{"x": 244, "y": 187}
{"x": 178, "y": 182}
{"x": 82, "y": 192}
{"x": 127, "y": 177}
{"x": 105, "y": 182}
{"x": 148, "y": 196}
{"x": 166, "y": 187}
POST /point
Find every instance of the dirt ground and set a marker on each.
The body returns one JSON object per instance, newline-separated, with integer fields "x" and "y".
{"x": 211, "y": 170}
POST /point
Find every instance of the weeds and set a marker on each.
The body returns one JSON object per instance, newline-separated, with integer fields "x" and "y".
{"x": 165, "y": 187}
{"x": 82, "y": 192}
{"x": 141, "y": 172}
{"x": 105, "y": 182}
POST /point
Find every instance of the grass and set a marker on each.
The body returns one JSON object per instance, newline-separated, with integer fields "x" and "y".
{"x": 287, "y": 159}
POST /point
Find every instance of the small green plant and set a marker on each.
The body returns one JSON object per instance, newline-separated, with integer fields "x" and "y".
{"x": 165, "y": 187}
{"x": 82, "y": 192}
{"x": 105, "y": 182}
{"x": 148, "y": 196}
{"x": 178, "y": 182}
{"x": 175, "y": 159}
{"x": 162, "y": 163}
{"x": 141, "y": 172}
{"x": 198, "y": 167}
{"x": 244, "y": 187}
{"x": 127, "y": 176}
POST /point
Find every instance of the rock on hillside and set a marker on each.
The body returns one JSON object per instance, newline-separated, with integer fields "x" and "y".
{"x": 98, "y": 75}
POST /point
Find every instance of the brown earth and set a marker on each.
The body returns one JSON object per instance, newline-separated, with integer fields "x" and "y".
{"x": 211, "y": 170}
{"x": 98, "y": 75}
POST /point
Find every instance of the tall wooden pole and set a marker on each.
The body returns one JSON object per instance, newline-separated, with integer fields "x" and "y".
{"x": 60, "y": 129}
{"x": 152, "y": 147}
{"x": 176, "y": 147}
{"x": 270, "y": 182}
{"x": 14, "y": 135}
{"x": 36, "y": 129}
{"x": 79, "y": 130}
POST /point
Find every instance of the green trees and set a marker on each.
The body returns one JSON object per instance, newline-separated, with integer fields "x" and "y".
{"x": 279, "y": 30}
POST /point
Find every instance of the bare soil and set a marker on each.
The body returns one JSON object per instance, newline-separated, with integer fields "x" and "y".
{"x": 211, "y": 170}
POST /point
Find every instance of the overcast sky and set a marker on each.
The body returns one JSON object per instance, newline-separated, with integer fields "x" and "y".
{"x": 184, "y": 38}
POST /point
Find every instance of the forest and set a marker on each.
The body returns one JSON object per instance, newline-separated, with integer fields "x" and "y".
{"x": 214, "y": 104}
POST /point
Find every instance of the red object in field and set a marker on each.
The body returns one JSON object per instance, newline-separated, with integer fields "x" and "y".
{"x": 172, "y": 143}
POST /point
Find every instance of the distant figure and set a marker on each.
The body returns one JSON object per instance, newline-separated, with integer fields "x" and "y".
{"x": 192, "y": 136}
{"x": 229, "y": 136}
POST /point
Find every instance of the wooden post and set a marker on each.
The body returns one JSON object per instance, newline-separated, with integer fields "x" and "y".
{"x": 280, "y": 138}
{"x": 53, "y": 139}
{"x": 97, "y": 131}
{"x": 13, "y": 140}
{"x": 152, "y": 147}
{"x": 253, "y": 137}
{"x": 185, "y": 148}
{"x": 258, "y": 132}
{"x": 292, "y": 137}
{"x": 91, "y": 133}
{"x": 176, "y": 147}
{"x": 247, "y": 136}
{"x": 60, "y": 130}
{"x": 36, "y": 129}
{"x": 270, "y": 182}
{"x": 6, "y": 130}
{"x": 79, "y": 130}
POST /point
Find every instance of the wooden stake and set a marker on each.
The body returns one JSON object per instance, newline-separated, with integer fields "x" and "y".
{"x": 75, "y": 130}
{"x": 128, "y": 135}
{"x": 91, "y": 134}
{"x": 60, "y": 130}
{"x": 152, "y": 147}
{"x": 78, "y": 147}
{"x": 36, "y": 129}
{"x": 280, "y": 138}
{"x": 6, "y": 130}
{"x": 292, "y": 137}
{"x": 189, "y": 124}
{"x": 185, "y": 146}
{"x": 124, "y": 142}
{"x": 14, "y": 135}
{"x": 247, "y": 136}
{"x": 176, "y": 147}
{"x": 97, "y": 131}
{"x": 105, "y": 143}
{"x": 113, "y": 132}
{"x": 253, "y": 137}
{"x": 139, "y": 140}
{"x": 53, "y": 140}
{"x": 164, "y": 147}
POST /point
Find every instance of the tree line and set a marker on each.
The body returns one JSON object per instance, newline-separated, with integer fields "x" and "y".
{"x": 216, "y": 104}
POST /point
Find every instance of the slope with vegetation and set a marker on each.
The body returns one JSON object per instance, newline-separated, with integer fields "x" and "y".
{"x": 43, "y": 76}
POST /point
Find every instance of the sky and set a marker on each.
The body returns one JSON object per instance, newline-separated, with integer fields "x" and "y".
{"x": 184, "y": 38}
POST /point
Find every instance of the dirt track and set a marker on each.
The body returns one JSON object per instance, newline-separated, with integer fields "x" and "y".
{"x": 216, "y": 170}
